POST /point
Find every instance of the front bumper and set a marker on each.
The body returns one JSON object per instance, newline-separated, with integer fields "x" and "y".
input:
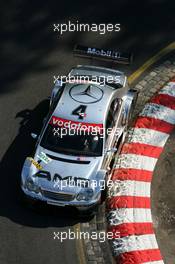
{"x": 80, "y": 205}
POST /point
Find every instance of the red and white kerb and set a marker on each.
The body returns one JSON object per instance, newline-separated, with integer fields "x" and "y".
{"x": 128, "y": 203}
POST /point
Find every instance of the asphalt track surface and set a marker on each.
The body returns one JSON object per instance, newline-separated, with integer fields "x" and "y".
{"x": 31, "y": 53}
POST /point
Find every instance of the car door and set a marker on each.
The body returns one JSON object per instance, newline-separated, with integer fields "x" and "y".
{"x": 109, "y": 135}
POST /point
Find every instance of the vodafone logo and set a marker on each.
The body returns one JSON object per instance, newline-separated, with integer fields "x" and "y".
{"x": 69, "y": 124}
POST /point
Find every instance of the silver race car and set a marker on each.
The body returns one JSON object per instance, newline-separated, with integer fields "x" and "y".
{"x": 83, "y": 131}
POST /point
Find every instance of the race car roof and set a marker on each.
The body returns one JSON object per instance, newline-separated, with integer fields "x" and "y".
{"x": 93, "y": 98}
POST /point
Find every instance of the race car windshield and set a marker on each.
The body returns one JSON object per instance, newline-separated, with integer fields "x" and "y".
{"x": 84, "y": 143}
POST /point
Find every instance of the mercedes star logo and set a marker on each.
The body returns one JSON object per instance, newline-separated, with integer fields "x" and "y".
{"x": 88, "y": 95}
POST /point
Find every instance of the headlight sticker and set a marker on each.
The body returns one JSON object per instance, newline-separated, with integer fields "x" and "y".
{"x": 42, "y": 156}
{"x": 35, "y": 163}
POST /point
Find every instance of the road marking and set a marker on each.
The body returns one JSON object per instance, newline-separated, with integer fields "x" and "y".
{"x": 135, "y": 75}
{"x": 79, "y": 246}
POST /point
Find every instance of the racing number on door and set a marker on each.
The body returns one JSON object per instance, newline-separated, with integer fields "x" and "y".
{"x": 80, "y": 111}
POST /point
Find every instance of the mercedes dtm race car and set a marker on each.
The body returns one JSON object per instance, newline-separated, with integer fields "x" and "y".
{"x": 82, "y": 133}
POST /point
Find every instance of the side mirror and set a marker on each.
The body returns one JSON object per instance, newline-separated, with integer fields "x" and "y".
{"x": 34, "y": 136}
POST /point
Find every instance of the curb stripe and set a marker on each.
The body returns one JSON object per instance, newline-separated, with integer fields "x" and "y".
{"x": 135, "y": 243}
{"x": 155, "y": 262}
{"x": 129, "y": 215}
{"x": 140, "y": 256}
{"x": 129, "y": 202}
{"x": 130, "y": 188}
{"x": 136, "y": 162}
{"x": 129, "y": 229}
{"x": 132, "y": 174}
{"x": 154, "y": 124}
{"x": 147, "y": 136}
{"x": 165, "y": 100}
{"x": 169, "y": 89}
{"x": 159, "y": 112}
{"x": 141, "y": 149}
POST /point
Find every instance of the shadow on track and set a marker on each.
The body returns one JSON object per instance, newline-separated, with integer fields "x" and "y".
{"x": 10, "y": 204}
{"x": 28, "y": 39}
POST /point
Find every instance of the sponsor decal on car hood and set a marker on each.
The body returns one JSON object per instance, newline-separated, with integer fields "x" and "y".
{"x": 68, "y": 165}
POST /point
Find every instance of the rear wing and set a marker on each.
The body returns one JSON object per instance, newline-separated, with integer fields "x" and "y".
{"x": 103, "y": 54}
